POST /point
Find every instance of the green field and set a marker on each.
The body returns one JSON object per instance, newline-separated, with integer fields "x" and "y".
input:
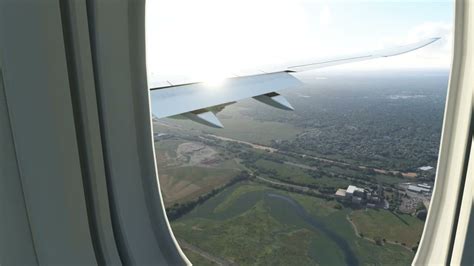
{"x": 248, "y": 224}
{"x": 298, "y": 175}
{"x": 399, "y": 228}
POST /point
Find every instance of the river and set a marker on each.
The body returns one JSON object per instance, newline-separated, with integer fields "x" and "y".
{"x": 349, "y": 256}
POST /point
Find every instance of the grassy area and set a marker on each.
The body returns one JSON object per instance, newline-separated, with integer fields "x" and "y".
{"x": 197, "y": 174}
{"x": 298, "y": 175}
{"x": 285, "y": 172}
{"x": 197, "y": 259}
{"x": 251, "y": 237}
{"x": 384, "y": 224}
{"x": 317, "y": 207}
{"x": 186, "y": 183}
{"x": 246, "y": 225}
{"x": 235, "y": 195}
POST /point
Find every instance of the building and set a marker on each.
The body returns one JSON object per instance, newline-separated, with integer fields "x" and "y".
{"x": 354, "y": 191}
{"x": 357, "y": 196}
{"x": 418, "y": 189}
{"x": 424, "y": 185}
{"x": 340, "y": 194}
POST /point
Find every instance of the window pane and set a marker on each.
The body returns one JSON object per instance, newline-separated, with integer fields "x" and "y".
{"x": 345, "y": 178}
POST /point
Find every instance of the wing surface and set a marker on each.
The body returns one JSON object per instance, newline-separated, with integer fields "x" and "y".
{"x": 194, "y": 99}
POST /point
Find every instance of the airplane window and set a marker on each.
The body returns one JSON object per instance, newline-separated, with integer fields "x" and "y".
{"x": 344, "y": 178}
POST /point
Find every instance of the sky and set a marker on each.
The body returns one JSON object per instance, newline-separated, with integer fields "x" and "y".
{"x": 208, "y": 39}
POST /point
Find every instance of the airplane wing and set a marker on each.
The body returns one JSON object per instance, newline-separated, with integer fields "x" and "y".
{"x": 197, "y": 100}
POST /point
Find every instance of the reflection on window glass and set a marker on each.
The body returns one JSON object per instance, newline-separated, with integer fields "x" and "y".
{"x": 345, "y": 178}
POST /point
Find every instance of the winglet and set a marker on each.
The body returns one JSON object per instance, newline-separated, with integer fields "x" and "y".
{"x": 397, "y": 50}
{"x": 406, "y": 48}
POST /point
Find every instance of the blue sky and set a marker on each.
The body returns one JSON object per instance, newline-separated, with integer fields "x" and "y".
{"x": 206, "y": 38}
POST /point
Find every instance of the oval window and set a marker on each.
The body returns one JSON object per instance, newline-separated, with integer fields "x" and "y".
{"x": 344, "y": 178}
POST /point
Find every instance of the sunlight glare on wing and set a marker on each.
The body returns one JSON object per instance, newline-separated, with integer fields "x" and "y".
{"x": 211, "y": 77}
{"x": 215, "y": 82}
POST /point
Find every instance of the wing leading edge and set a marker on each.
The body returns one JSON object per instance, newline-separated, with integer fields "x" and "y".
{"x": 195, "y": 100}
